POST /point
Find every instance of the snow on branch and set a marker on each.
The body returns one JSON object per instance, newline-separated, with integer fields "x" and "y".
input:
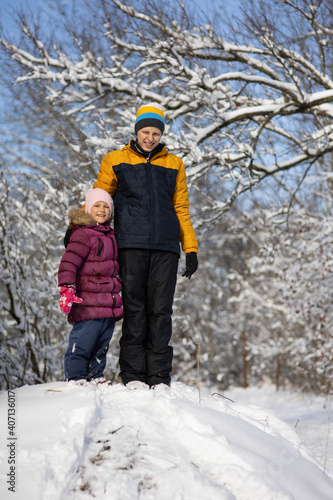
{"x": 219, "y": 94}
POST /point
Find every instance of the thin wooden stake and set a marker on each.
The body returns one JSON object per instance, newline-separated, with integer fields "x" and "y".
{"x": 198, "y": 369}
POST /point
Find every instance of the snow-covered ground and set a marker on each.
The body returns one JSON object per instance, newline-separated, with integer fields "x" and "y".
{"x": 64, "y": 441}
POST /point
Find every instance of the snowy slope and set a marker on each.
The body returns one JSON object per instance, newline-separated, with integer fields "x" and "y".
{"x": 113, "y": 442}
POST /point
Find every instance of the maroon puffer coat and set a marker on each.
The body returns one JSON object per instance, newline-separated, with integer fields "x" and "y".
{"x": 90, "y": 262}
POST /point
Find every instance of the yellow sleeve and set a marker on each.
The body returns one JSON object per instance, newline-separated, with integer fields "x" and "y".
{"x": 106, "y": 178}
{"x": 181, "y": 205}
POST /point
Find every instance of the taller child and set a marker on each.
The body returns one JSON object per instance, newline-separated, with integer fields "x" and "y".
{"x": 151, "y": 216}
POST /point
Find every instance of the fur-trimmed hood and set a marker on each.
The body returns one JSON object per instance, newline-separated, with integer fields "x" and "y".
{"x": 78, "y": 217}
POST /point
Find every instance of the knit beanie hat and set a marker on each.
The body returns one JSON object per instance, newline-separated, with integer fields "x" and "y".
{"x": 93, "y": 196}
{"x": 150, "y": 115}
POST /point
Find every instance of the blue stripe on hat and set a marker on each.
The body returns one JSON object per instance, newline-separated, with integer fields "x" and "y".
{"x": 146, "y": 116}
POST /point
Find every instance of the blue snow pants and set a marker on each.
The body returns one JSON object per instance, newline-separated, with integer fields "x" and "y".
{"x": 89, "y": 340}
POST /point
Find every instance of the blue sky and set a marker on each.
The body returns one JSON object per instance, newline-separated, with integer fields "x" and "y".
{"x": 7, "y": 7}
{"x": 7, "y": 21}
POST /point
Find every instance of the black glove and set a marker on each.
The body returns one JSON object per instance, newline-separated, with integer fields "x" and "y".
{"x": 191, "y": 264}
{"x": 68, "y": 236}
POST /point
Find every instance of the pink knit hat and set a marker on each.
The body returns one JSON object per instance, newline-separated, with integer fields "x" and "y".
{"x": 95, "y": 195}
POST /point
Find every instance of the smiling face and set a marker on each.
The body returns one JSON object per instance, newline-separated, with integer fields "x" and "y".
{"x": 100, "y": 212}
{"x": 149, "y": 138}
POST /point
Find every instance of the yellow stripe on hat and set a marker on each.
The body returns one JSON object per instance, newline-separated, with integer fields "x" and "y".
{"x": 149, "y": 109}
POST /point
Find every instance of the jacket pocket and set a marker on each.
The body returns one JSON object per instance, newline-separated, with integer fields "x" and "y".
{"x": 98, "y": 284}
{"x": 99, "y": 280}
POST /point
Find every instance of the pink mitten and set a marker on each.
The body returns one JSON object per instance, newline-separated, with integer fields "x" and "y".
{"x": 68, "y": 298}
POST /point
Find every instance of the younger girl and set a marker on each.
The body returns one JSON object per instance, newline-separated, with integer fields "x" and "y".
{"x": 89, "y": 287}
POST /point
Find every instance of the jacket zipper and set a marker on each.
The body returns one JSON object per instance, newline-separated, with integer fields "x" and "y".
{"x": 100, "y": 247}
{"x": 113, "y": 246}
{"x": 152, "y": 201}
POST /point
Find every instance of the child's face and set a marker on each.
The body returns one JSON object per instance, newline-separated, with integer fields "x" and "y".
{"x": 100, "y": 212}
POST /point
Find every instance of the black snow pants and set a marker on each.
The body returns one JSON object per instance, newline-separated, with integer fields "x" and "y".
{"x": 148, "y": 286}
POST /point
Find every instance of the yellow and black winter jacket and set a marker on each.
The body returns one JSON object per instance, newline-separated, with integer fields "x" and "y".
{"x": 150, "y": 199}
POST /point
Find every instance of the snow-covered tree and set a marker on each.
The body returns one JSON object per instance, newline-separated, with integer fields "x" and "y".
{"x": 30, "y": 331}
{"x": 242, "y": 106}
{"x": 289, "y": 287}
{"x": 248, "y": 104}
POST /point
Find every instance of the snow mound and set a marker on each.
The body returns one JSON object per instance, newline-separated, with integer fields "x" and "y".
{"x": 113, "y": 442}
